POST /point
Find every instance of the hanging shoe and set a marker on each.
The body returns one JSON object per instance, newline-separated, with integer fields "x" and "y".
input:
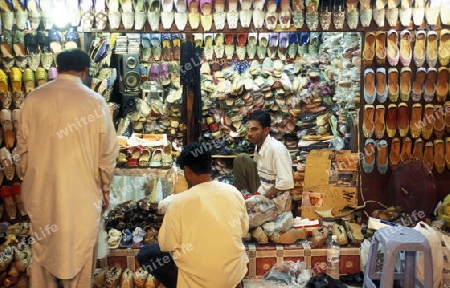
{"x": 428, "y": 121}
{"x": 442, "y": 85}
{"x": 428, "y": 155}
{"x": 393, "y": 87}
{"x": 418, "y": 149}
{"x": 432, "y": 48}
{"x": 219, "y": 14}
{"x": 393, "y": 52}
{"x": 415, "y": 123}
{"x": 394, "y": 153}
{"x": 369, "y": 48}
{"x": 419, "y": 48}
{"x": 381, "y": 85}
{"x": 369, "y": 86}
{"x": 391, "y": 120}
{"x": 368, "y": 124}
{"x": 439, "y": 155}
{"x": 403, "y": 119}
{"x": 418, "y": 84}
{"x": 406, "y": 152}
{"x": 430, "y": 85}
{"x": 444, "y": 47}
{"x": 379, "y": 121}
{"x": 405, "y": 83}
{"x": 439, "y": 122}
{"x": 447, "y": 152}
{"x": 382, "y": 156}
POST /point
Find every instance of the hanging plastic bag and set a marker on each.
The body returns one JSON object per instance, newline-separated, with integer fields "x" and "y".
{"x": 434, "y": 239}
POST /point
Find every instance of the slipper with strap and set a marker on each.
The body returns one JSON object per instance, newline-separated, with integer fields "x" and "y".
{"x": 29, "y": 81}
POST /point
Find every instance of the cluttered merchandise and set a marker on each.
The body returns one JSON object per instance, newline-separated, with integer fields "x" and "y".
{"x": 307, "y": 143}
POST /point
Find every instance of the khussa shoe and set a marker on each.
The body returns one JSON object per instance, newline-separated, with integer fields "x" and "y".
{"x": 382, "y": 156}
{"x": 379, "y": 121}
{"x": 447, "y": 152}
{"x": 391, "y": 120}
{"x": 439, "y": 155}
{"x": 380, "y": 48}
{"x": 428, "y": 121}
{"x": 379, "y": 12}
{"x": 431, "y": 49}
{"x": 406, "y": 152}
{"x": 430, "y": 85}
{"x": 405, "y": 47}
{"x": 418, "y": 149}
{"x": 369, "y": 48}
{"x": 394, "y": 153}
{"x": 418, "y": 12}
{"x": 419, "y": 48}
{"x": 219, "y": 15}
{"x": 428, "y": 157}
{"x": 99, "y": 277}
{"x": 368, "y": 125}
{"x": 405, "y": 83}
{"x": 405, "y": 12}
{"x": 365, "y": 16}
{"x": 393, "y": 87}
{"x": 352, "y": 15}
{"x": 8, "y": 202}
{"x": 126, "y": 280}
{"x": 112, "y": 277}
{"x": 439, "y": 124}
{"x": 381, "y": 85}
{"x": 442, "y": 85}
{"x": 444, "y": 47}
{"x": 403, "y": 119}
{"x": 415, "y": 124}
{"x": 447, "y": 116}
{"x": 432, "y": 9}
{"x": 259, "y": 15}
{"x": 338, "y": 14}
{"x": 392, "y": 12}
{"x": 325, "y": 14}
{"x": 368, "y": 160}
{"x": 369, "y": 86}
{"x": 393, "y": 52}
{"x": 418, "y": 85}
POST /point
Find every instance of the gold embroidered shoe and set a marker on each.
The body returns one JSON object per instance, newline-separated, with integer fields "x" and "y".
{"x": 415, "y": 123}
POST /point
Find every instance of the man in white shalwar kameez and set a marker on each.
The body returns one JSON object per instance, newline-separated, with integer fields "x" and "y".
{"x": 67, "y": 147}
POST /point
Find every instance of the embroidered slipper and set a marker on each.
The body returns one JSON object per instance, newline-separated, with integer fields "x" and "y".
{"x": 285, "y": 14}
{"x": 259, "y": 14}
{"x": 208, "y": 50}
{"x": 8, "y": 20}
{"x": 219, "y": 48}
{"x": 181, "y": 15}
{"x": 176, "y": 46}
{"x": 232, "y": 14}
{"x": 6, "y": 44}
{"x": 271, "y": 14}
{"x": 431, "y": 49}
{"x": 252, "y": 45}
{"x": 339, "y": 14}
{"x": 444, "y": 47}
{"x": 324, "y": 14}
{"x": 127, "y": 20}
{"x": 30, "y": 43}
{"x": 6, "y": 99}
{"x": 245, "y": 14}
{"x": 47, "y": 60}
{"x": 153, "y": 14}
{"x": 273, "y": 45}
{"x": 405, "y": 12}
{"x": 293, "y": 43}
{"x": 6, "y": 191}
{"x": 21, "y": 19}
{"x": 194, "y": 14}
{"x": 263, "y": 43}
{"x": 41, "y": 76}
{"x": 419, "y": 48}
{"x": 29, "y": 81}
{"x": 229, "y": 45}
{"x": 156, "y": 46}
{"x": 392, "y": 12}
{"x": 17, "y": 99}
{"x": 71, "y": 39}
{"x": 167, "y": 14}
{"x": 9, "y": 136}
{"x": 393, "y": 52}
{"x": 54, "y": 41}
{"x": 432, "y": 11}
{"x": 166, "y": 40}
{"x": 3, "y": 82}
{"x": 445, "y": 13}
{"x": 206, "y": 17}
{"x": 284, "y": 43}
{"x": 16, "y": 79}
{"x": 18, "y": 199}
{"x": 42, "y": 42}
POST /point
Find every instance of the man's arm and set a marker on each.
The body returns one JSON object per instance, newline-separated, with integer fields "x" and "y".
{"x": 169, "y": 237}
{"x": 109, "y": 149}
{"x": 282, "y": 165}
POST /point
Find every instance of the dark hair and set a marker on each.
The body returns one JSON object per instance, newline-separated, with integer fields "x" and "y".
{"x": 197, "y": 157}
{"x": 73, "y": 60}
{"x": 262, "y": 117}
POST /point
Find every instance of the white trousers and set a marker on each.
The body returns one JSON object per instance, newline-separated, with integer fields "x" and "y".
{"x": 41, "y": 277}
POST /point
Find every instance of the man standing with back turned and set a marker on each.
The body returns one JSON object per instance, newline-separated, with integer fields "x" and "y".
{"x": 67, "y": 147}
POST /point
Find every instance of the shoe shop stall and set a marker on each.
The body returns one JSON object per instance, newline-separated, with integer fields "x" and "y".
{"x": 357, "y": 91}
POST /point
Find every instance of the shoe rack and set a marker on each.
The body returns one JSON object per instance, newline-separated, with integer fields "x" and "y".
{"x": 405, "y": 95}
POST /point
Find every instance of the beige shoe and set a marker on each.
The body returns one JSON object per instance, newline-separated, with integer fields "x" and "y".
{"x": 319, "y": 237}
{"x": 354, "y": 232}
{"x": 127, "y": 279}
{"x": 290, "y": 236}
{"x": 112, "y": 277}
{"x": 341, "y": 234}
{"x": 98, "y": 280}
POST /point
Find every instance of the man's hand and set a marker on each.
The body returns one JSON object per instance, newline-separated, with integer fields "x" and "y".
{"x": 272, "y": 193}
{"x": 105, "y": 202}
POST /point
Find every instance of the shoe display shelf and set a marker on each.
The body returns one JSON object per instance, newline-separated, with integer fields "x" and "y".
{"x": 405, "y": 95}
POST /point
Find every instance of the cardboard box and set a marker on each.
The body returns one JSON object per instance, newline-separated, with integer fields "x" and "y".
{"x": 333, "y": 177}
{"x": 263, "y": 257}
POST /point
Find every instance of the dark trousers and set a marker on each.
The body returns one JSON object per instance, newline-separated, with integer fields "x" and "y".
{"x": 245, "y": 173}
{"x": 159, "y": 264}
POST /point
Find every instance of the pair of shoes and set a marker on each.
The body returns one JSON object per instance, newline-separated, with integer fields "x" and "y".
{"x": 375, "y": 152}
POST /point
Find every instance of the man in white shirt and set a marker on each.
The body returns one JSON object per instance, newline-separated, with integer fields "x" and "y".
{"x": 273, "y": 161}
{"x": 202, "y": 231}
{"x": 67, "y": 148}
